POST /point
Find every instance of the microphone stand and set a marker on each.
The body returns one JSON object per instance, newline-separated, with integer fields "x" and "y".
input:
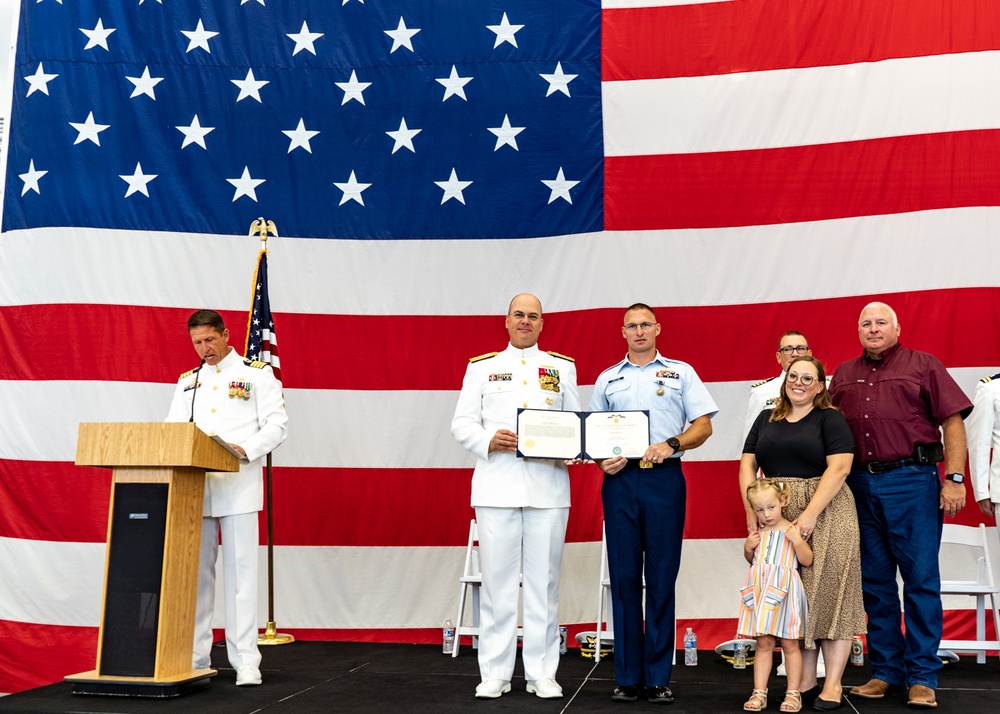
{"x": 194, "y": 392}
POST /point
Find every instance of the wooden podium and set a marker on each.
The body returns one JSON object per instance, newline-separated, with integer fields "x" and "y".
{"x": 151, "y": 572}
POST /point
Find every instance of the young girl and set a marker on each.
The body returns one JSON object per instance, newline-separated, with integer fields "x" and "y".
{"x": 774, "y": 603}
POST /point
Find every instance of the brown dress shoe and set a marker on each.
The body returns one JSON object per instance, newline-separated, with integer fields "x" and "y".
{"x": 874, "y": 689}
{"x": 922, "y": 697}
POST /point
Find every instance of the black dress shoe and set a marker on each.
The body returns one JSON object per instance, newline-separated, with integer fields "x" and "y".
{"x": 809, "y": 695}
{"x": 660, "y": 695}
{"x": 626, "y": 693}
{"x": 825, "y": 705}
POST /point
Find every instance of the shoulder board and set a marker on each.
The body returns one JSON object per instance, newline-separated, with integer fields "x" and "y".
{"x": 482, "y": 357}
{"x": 188, "y": 373}
{"x": 254, "y": 364}
{"x": 763, "y": 381}
{"x": 556, "y": 354}
{"x": 986, "y": 380}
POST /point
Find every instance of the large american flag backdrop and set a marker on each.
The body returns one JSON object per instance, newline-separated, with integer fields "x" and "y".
{"x": 747, "y": 167}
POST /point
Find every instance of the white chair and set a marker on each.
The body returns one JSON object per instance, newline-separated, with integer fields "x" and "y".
{"x": 471, "y": 580}
{"x": 606, "y": 626}
{"x": 965, "y": 549}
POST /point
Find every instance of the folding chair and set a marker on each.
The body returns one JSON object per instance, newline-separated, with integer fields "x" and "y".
{"x": 471, "y": 580}
{"x": 964, "y": 550}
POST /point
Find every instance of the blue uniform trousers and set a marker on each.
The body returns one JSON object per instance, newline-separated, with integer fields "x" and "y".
{"x": 900, "y": 518}
{"x": 644, "y": 522}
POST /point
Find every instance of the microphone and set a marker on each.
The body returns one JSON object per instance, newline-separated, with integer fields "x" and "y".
{"x": 194, "y": 392}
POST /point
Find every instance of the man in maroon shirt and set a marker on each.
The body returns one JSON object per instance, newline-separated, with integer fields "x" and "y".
{"x": 897, "y": 401}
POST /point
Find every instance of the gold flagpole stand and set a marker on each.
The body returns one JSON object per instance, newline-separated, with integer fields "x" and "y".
{"x": 271, "y": 635}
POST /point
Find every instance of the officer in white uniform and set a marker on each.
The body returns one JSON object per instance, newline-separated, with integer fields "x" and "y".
{"x": 241, "y": 401}
{"x": 522, "y": 505}
{"x": 983, "y": 428}
{"x": 764, "y": 395}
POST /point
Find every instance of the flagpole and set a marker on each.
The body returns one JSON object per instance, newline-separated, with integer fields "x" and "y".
{"x": 271, "y": 635}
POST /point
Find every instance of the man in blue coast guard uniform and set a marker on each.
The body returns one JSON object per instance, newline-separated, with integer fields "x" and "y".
{"x": 522, "y": 505}
{"x": 644, "y": 502}
{"x": 241, "y": 401}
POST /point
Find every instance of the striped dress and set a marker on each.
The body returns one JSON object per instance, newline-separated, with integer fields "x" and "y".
{"x": 773, "y": 600}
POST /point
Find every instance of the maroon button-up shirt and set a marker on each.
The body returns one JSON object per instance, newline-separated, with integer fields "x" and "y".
{"x": 894, "y": 403}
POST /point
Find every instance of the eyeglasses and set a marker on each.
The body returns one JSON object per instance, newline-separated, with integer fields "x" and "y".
{"x": 797, "y": 349}
{"x": 532, "y": 316}
{"x": 632, "y": 327}
{"x": 805, "y": 379}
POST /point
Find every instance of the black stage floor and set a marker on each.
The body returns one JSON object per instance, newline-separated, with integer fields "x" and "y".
{"x": 365, "y": 677}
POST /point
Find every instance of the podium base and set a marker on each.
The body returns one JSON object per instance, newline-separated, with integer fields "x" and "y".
{"x": 112, "y": 686}
{"x": 271, "y": 636}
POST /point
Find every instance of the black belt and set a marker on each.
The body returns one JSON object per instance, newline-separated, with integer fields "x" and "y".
{"x": 880, "y": 467}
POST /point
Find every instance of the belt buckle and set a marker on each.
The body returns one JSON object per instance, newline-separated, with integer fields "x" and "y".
{"x": 645, "y": 464}
{"x": 871, "y": 468}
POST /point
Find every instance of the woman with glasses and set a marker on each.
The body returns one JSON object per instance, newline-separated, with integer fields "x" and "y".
{"x": 806, "y": 442}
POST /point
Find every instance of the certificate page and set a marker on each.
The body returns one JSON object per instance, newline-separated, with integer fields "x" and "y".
{"x": 609, "y": 434}
{"x": 548, "y": 434}
{"x": 225, "y": 445}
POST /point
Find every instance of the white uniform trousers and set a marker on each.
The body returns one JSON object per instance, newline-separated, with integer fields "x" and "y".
{"x": 240, "y": 535}
{"x": 526, "y": 542}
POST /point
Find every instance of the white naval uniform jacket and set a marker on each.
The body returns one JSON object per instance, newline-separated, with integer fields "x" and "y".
{"x": 763, "y": 395}
{"x": 493, "y": 389}
{"x": 983, "y": 433}
{"x": 255, "y": 421}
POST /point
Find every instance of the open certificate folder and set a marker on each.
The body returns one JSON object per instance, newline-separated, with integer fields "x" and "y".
{"x": 550, "y": 434}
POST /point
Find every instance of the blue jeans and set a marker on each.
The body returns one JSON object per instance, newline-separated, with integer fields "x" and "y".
{"x": 644, "y": 521}
{"x": 900, "y": 518}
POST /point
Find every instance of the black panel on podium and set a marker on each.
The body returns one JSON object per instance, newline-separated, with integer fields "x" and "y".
{"x": 135, "y": 570}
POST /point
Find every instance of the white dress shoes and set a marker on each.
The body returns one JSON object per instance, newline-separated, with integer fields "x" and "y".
{"x": 248, "y": 676}
{"x": 492, "y": 688}
{"x": 545, "y": 689}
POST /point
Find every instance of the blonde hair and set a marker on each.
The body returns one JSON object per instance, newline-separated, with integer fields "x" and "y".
{"x": 765, "y": 484}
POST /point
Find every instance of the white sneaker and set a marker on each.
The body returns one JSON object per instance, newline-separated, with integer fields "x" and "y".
{"x": 545, "y": 689}
{"x": 248, "y": 676}
{"x": 492, "y": 688}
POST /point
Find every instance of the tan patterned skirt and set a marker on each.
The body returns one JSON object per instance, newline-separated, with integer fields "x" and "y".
{"x": 833, "y": 581}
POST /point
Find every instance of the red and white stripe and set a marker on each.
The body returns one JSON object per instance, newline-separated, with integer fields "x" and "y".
{"x": 771, "y": 166}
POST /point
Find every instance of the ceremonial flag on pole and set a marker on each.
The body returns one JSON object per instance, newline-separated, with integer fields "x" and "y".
{"x": 262, "y": 343}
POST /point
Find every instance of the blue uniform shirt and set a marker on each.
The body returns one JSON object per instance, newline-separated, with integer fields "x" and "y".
{"x": 669, "y": 389}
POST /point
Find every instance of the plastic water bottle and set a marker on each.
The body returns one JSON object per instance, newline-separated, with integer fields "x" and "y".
{"x": 739, "y": 655}
{"x": 690, "y": 648}
{"x": 448, "y": 637}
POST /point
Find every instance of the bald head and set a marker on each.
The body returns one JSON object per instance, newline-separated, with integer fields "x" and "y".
{"x": 881, "y": 307}
{"x": 524, "y": 320}
{"x": 521, "y": 298}
{"x": 878, "y": 328}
